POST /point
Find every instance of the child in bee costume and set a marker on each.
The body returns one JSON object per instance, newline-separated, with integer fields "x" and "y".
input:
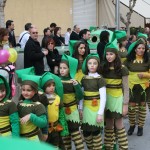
{"x": 32, "y": 113}
{"x": 117, "y": 90}
{"x": 51, "y": 84}
{"x": 93, "y": 105}
{"x": 9, "y": 119}
{"x": 72, "y": 94}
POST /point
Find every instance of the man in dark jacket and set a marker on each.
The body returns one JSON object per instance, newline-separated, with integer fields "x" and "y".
{"x": 33, "y": 54}
{"x": 10, "y": 27}
{"x": 75, "y": 33}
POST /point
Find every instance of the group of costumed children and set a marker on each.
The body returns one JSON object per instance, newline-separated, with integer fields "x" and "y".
{"x": 59, "y": 106}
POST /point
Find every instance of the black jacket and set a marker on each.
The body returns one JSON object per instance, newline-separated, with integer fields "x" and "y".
{"x": 53, "y": 59}
{"x": 12, "y": 39}
{"x": 58, "y": 40}
{"x": 74, "y": 36}
{"x": 33, "y": 56}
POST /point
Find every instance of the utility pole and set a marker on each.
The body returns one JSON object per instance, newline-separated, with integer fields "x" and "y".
{"x": 117, "y": 14}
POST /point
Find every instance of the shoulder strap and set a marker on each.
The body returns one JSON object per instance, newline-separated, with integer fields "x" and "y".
{"x": 22, "y": 37}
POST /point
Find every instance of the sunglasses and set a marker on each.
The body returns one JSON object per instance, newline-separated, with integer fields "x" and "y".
{"x": 50, "y": 43}
{"x": 34, "y": 32}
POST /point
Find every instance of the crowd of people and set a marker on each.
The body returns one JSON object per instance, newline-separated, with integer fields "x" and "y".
{"x": 75, "y": 97}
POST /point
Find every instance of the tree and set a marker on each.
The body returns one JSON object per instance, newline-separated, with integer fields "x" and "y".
{"x": 127, "y": 21}
{"x": 2, "y": 5}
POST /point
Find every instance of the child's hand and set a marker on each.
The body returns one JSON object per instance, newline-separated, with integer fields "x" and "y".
{"x": 44, "y": 137}
{"x": 25, "y": 119}
{"x": 140, "y": 75}
{"x": 125, "y": 109}
{"x": 74, "y": 81}
{"x": 99, "y": 118}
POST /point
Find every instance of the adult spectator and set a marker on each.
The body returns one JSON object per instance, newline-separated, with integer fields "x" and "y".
{"x": 24, "y": 36}
{"x": 59, "y": 40}
{"x": 147, "y": 31}
{"x": 33, "y": 54}
{"x": 10, "y": 27}
{"x": 4, "y": 35}
{"x": 132, "y": 39}
{"x": 53, "y": 57}
{"x": 47, "y": 34}
{"x": 67, "y": 36}
{"x": 104, "y": 39}
{"x": 85, "y": 36}
{"x": 75, "y": 33}
{"x": 52, "y": 27}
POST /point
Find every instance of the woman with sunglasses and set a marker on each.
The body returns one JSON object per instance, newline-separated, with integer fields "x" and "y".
{"x": 53, "y": 57}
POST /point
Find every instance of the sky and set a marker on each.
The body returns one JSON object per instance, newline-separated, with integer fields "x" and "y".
{"x": 142, "y": 7}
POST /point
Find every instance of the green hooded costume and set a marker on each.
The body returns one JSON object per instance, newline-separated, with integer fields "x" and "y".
{"x": 9, "y": 119}
{"x": 31, "y": 106}
{"x": 58, "y": 116}
{"x": 72, "y": 93}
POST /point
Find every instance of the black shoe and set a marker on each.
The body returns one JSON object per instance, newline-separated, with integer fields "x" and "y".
{"x": 140, "y": 131}
{"x": 131, "y": 130}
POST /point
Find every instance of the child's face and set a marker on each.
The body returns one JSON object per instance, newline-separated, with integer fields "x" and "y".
{"x": 110, "y": 56}
{"x": 2, "y": 94}
{"x": 64, "y": 70}
{"x": 92, "y": 65}
{"x": 50, "y": 89}
{"x": 27, "y": 91}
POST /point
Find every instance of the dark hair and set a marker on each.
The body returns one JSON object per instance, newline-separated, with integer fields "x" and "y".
{"x": 53, "y": 25}
{"x": 98, "y": 68}
{"x": 120, "y": 44}
{"x": 3, "y": 32}
{"x": 76, "y": 53}
{"x": 117, "y": 65}
{"x": 49, "y": 40}
{"x": 131, "y": 37}
{"x": 75, "y": 26}
{"x": 104, "y": 36}
{"x": 2, "y": 87}
{"x": 27, "y": 26}
{"x": 48, "y": 83}
{"x": 45, "y": 30}
{"x": 132, "y": 55}
{"x": 65, "y": 62}
{"x": 84, "y": 31}
{"x": 56, "y": 30}
{"x": 69, "y": 29}
{"x": 8, "y": 23}
{"x": 148, "y": 39}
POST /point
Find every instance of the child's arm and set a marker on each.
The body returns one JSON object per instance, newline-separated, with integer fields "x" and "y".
{"x": 78, "y": 90}
{"x": 100, "y": 113}
{"x": 38, "y": 117}
{"x": 14, "y": 120}
{"x": 125, "y": 95}
{"x": 45, "y": 129}
{"x": 102, "y": 92}
{"x": 39, "y": 121}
